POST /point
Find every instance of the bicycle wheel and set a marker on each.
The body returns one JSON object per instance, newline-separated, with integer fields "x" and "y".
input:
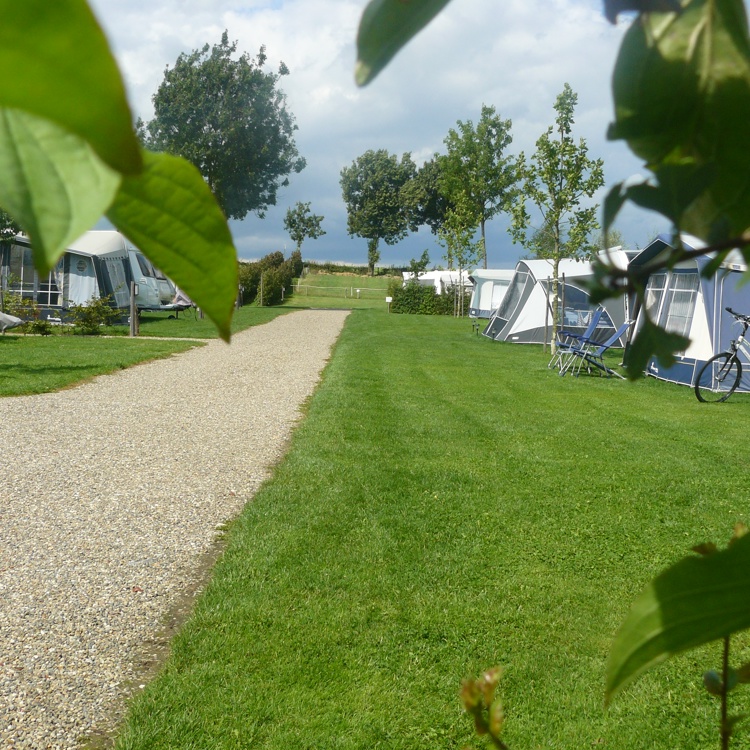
{"x": 718, "y": 378}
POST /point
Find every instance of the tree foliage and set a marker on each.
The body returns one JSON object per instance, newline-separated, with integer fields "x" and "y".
{"x": 301, "y": 224}
{"x": 371, "y": 188}
{"x": 229, "y": 118}
{"x": 8, "y": 227}
{"x": 477, "y": 172}
{"x": 425, "y": 200}
{"x": 556, "y": 179}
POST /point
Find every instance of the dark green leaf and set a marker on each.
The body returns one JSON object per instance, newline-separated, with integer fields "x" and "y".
{"x": 682, "y": 92}
{"x": 171, "y": 215}
{"x": 53, "y": 184}
{"x": 652, "y": 340}
{"x": 386, "y": 26}
{"x": 697, "y": 600}
{"x": 614, "y": 201}
{"x": 56, "y": 64}
{"x": 712, "y": 682}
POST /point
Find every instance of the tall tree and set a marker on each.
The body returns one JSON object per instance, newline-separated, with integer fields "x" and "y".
{"x": 228, "y": 117}
{"x": 371, "y": 188}
{"x": 462, "y": 250}
{"x": 557, "y": 178}
{"x": 424, "y": 198}
{"x": 476, "y": 170}
{"x": 301, "y": 224}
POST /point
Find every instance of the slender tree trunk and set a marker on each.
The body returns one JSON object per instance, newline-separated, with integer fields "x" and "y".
{"x": 555, "y": 302}
{"x": 373, "y": 256}
{"x": 484, "y": 243}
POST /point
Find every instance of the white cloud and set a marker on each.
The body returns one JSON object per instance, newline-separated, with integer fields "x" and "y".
{"x": 516, "y": 56}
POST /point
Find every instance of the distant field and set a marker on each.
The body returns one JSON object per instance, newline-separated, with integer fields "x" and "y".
{"x": 340, "y": 290}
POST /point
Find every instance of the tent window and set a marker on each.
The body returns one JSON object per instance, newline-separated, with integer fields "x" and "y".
{"x": 513, "y": 296}
{"x": 654, "y": 294}
{"x": 679, "y": 303}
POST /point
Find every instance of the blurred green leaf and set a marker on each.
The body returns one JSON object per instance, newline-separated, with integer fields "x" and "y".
{"x": 682, "y": 92}
{"x": 697, "y": 600}
{"x": 652, "y": 340}
{"x": 169, "y": 213}
{"x": 386, "y": 26}
{"x": 613, "y": 202}
{"x": 712, "y": 682}
{"x": 57, "y": 65}
{"x": 53, "y": 184}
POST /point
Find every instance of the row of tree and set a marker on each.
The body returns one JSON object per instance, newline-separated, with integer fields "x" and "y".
{"x": 458, "y": 192}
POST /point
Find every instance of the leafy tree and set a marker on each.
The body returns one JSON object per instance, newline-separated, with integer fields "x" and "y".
{"x": 461, "y": 250}
{"x": 8, "y": 227}
{"x": 371, "y": 187}
{"x": 229, "y": 118}
{"x": 300, "y": 224}
{"x": 557, "y": 178}
{"x": 426, "y": 202}
{"x": 476, "y": 171}
{"x": 419, "y": 266}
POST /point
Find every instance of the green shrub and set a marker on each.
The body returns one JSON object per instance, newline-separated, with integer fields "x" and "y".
{"x": 26, "y": 309}
{"x": 276, "y": 276}
{"x": 416, "y": 299}
{"x": 89, "y": 318}
{"x": 249, "y": 281}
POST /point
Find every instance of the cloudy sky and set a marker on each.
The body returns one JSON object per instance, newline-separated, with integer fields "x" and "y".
{"x": 514, "y": 54}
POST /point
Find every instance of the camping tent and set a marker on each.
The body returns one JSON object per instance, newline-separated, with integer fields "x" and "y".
{"x": 525, "y": 313}
{"x": 681, "y": 301}
{"x": 490, "y": 287}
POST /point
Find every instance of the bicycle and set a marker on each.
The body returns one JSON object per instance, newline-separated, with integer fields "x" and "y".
{"x": 718, "y": 379}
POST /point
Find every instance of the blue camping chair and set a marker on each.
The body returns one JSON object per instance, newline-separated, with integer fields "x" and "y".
{"x": 567, "y": 341}
{"x": 592, "y": 356}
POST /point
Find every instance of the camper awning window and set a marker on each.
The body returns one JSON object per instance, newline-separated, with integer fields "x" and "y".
{"x": 679, "y": 302}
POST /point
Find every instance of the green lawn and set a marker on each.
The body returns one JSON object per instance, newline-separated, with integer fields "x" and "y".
{"x": 189, "y": 324}
{"x": 449, "y": 504}
{"x": 35, "y": 364}
{"x": 341, "y": 290}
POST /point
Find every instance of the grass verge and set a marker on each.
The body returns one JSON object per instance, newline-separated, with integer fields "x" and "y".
{"x": 35, "y": 364}
{"x": 341, "y": 290}
{"x": 188, "y": 324}
{"x": 449, "y": 504}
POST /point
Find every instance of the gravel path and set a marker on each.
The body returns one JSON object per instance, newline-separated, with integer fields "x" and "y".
{"x": 111, "y": 494}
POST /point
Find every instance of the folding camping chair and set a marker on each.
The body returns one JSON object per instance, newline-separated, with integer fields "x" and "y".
{"x": 569, "y": 340}
{"x": 593, "y": 356}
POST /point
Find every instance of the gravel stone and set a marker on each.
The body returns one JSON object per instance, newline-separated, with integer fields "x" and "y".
{"x": 111, "y": 495}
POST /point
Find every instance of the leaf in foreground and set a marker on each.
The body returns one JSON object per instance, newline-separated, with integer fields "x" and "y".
{"x": 56, "y": 64}
{"x": 681, "y": 87}
{"x": 697, "y": 600}
{"x": 386, "y": 26}
{"x": 170, "y": 214}
{"x": 53, "y": 184}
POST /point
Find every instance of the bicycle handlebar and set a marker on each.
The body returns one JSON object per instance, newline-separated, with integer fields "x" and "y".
{"x": 744, "y": 318}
